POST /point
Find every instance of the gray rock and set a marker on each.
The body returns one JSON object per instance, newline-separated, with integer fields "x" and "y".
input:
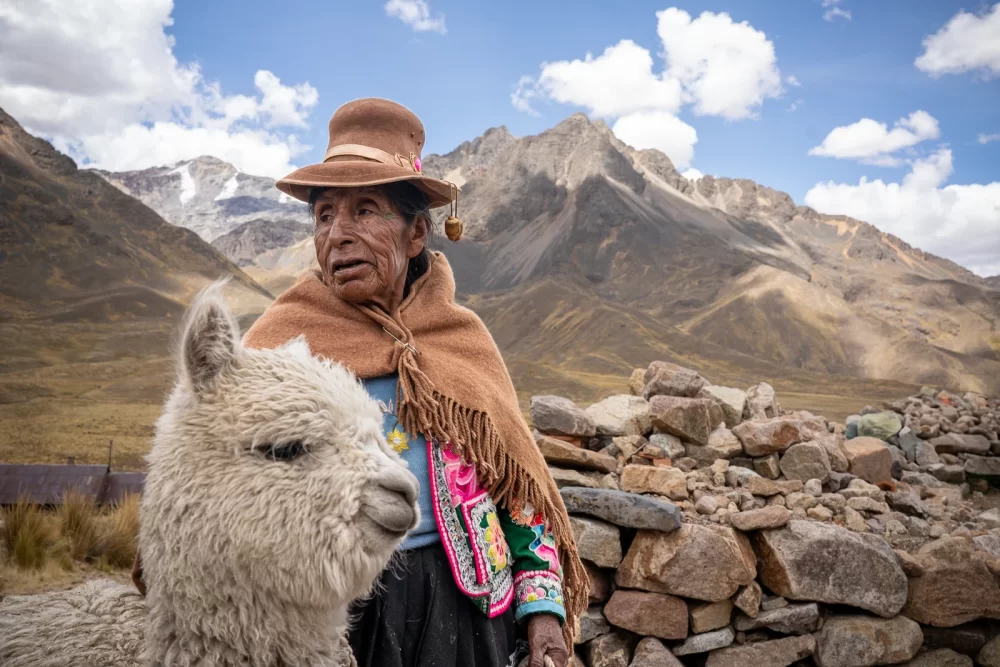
{"x": 823, "y": 562}
{"x": 942, "y": 657}
{"x": 773, "y": 516}
{"x": 833, "y": 443}
{"x": 671, "y": 444}
{"x": 706, "y": 642}
{"x": 722, "y": 444}
{"x": 956, "y": 587}
{"x": 732, "y": 401}
{"x": 748, "y": 599}
{"x": 863, "y": 641}
{"x": 761, "y": 402}
{"x": 691, "y": 419}
{"x": 652, "y": 653}
{"x": 983, "y": 467}
{"x": 805, "y": 461}
{"x": 565, "y": 455}
{"x": 959, "y": 443}
{"x": 566, "y": 477}
{"x": 907, "y": 502}
{"x": 610, "y": 650}
{"x": 952, "y": 474}
{"x": 666, "y": 379}
{"x": 796, "y": 619}
{"x": 839, "y": 480}
{"x": 775, "y": 653}
{"x": 925, "y": 454}
{"x": 967, "y": 639}
{"x": 592, "y": 624}
{"x": 772, "y": 602}
{"x": 989, "y": 656}
{"x": 621, "y": 415}
{"x": 597, "y": 541}
{"x": 909, "y": 443}
{"x": 881, "y": 425}
{"x": 555, "y": 414}
{"x": 628, "y": 510}
{"x": 767, "y": 466}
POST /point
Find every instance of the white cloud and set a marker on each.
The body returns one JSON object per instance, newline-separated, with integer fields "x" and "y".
{"x": 792, "y": 81}
{"x": 692, "y": 174}
{"x": 717, "y": 66}
{"x": 874, "y": 143}
{"x": 987, "y": 138}
{"x": 834, "y": 11}
{"x": 967, "y": 42}
{"x": 619, "y": 81}
{"x": 416, "y": 14}
{"x": 794, "y": 106}
{"x": 960, "y": 222}
{"x": 660, "y": 130}
{"x": 85, "y": 73}
{"x": 727, "y": 69}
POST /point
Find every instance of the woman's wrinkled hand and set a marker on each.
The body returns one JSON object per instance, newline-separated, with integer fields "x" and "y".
{"x": 545, "y": 639}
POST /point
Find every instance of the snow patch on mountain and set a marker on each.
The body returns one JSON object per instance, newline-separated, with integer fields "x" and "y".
{"x": 188, "y": 188}
{"x": 229, "y": 189}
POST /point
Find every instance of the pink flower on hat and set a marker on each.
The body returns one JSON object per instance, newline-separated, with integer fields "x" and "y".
{"x": 416, "y": 163}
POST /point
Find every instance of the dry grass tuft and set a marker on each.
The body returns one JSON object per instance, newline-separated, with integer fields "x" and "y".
{"x": 119, "y": 533}
{"x": 78, "y": 518}
{"x": 27, "y": 534}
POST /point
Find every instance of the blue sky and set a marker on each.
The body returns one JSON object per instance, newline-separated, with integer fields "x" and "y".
{"x": 256, "y": 86}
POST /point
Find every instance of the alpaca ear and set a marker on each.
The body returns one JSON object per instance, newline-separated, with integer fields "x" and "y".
{"x": 210, "y": 340}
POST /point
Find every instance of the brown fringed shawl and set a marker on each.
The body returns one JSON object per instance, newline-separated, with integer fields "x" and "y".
{"x": 453, "y": 387}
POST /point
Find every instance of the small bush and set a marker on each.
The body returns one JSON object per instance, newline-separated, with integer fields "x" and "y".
{"x": 119, "y": 533}
{"x": 78, "y": 524}
{"x": 26, "y": 534}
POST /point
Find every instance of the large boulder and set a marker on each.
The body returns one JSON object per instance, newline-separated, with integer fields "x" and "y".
{"x": 833, "y": 443}
{"x": 956, "y": 585}
{"x": 648, "y": 614}
{"x": 692, "y": 419}
{"x": 761, "y": 402}
{"x": 869, "y": 459}
{"x": 774, "y": 653}
{"x": 666, "y": 379}
{"x": 561, "y": 416}
{"x": 732, "y": 401}
{"x": 864, "y": 641}
{"x": 597, "y": 541}
{"x": 621, "y": 415}
{"x": 669, "y": 482}
{"x": 700, "y": 562}
{"x": 805, "y": 461}
{"x": 761, "y": 437}
{"x": 565, "y": 455}
{"x": 823, "y": 562}
{"x": 881, "y": 425}
{"x": 628, "y": 510}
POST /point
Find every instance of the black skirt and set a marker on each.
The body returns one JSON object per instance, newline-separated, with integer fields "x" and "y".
{"x": 419, "y": 618}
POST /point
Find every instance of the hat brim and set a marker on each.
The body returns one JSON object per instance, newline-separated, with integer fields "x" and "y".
{"x": 356, "y": 174}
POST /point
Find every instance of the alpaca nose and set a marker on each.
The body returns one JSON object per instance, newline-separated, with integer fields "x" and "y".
{"x": 391, "y": 500}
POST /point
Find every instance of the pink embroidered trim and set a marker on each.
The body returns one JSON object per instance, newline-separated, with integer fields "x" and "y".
{"x": 524, "y": 574}
{"x": 503, "y": 605}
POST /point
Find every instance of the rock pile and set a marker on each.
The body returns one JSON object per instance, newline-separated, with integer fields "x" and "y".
{"x": 719, "y": 529}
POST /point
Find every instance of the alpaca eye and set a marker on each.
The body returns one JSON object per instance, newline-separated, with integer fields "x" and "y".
{"x": 287, "y": 451}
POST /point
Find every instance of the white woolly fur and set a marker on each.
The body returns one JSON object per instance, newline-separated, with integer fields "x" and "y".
{"x": 250, "y": 559}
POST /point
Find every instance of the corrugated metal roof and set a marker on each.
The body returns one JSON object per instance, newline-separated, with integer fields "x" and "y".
{"x": 46, "y": 484}
{"x": 120, "y": 483}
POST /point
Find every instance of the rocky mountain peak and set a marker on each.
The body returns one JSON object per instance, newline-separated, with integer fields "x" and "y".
{"x": 31, "y": 151}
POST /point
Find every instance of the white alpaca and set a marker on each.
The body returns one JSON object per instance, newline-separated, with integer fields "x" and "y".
{"x": 272, "y": 502}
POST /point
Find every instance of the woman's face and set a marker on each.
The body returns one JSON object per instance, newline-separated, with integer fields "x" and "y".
{"x": 364, "y": 245}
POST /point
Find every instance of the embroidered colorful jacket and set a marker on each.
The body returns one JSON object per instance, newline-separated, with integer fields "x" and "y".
{"x": 498, "y": 556}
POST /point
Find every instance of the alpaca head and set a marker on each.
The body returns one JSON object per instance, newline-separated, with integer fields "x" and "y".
{"x": 269, "y": 480}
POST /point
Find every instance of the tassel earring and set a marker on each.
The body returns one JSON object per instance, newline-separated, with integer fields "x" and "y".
{"x": 453, "y": 226}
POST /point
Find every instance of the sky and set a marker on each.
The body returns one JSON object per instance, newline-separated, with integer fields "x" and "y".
{"x": 886, "y": 111}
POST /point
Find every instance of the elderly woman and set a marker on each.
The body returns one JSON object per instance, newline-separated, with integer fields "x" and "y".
{"x": 493, "y": 557}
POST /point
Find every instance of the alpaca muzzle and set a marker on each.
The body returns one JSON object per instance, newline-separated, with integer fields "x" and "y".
{"x": 391, "y": 500}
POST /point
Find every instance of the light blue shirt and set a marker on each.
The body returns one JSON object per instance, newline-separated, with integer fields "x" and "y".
{"x": 413, "y": 450}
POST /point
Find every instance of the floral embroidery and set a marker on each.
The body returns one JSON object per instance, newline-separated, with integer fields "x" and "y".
{"x": 544, "y": 544}
{"x": 538, "y": 586}
{"x": 460, "y": 476}
{"x": 398, "y": 440}
{"x": 497, "y": 551}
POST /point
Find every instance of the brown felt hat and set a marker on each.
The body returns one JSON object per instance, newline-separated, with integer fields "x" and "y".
{"x": 372, "y": 141}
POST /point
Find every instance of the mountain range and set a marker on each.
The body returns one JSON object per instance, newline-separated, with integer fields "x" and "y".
{"x": 585, "y": 257}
